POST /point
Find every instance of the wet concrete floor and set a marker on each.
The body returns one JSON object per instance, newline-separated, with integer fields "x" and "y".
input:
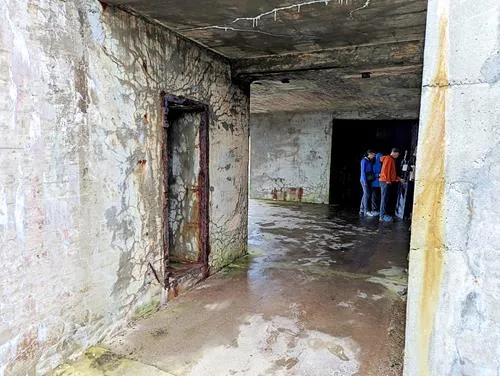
{"x": 321, "y": 293}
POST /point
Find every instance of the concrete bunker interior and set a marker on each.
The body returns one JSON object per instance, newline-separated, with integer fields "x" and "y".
{"x": 87, "y": 246}
{"x": 287, "y": 152}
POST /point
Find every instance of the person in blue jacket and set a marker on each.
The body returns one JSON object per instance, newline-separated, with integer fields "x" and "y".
{"x": 366, "y": 180}
{"x": 377, "y": 167}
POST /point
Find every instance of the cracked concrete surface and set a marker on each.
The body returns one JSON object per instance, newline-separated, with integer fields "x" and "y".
{"x": 281, "y": 35}
{"x": 290, "y": 152}
{"x": 282, "y": 40}
{"x": 318, "y": 25}
{"x": 80, "y": 188}
{"x": 79, "y": 218}
{"x": 184, "y": 156}
{"x": 312, "y": 298}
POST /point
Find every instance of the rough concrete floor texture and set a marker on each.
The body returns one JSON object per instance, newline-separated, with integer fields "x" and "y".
{"x": 319, "y": 294}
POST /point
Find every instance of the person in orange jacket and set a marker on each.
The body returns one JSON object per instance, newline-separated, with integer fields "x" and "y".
{"x": 388, "y": 178}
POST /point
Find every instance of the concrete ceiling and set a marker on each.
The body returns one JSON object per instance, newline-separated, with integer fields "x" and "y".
{"x": 388, "y": 93}
{"x": 321, "y": 50}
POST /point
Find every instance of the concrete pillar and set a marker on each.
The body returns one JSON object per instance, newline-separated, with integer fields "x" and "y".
{"x": 453, "y": 325}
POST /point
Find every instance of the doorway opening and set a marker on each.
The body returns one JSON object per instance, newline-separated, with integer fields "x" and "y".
{"x": 350, "y": 141}
{"x": 186, "y": 189}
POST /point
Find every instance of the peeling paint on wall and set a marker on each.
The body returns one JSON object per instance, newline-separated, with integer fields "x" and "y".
{"x": 20, "y": 213}
{"x": 184, "y": 205}
{"x": 4, "y": 213}
{"x": 81, "y": 183}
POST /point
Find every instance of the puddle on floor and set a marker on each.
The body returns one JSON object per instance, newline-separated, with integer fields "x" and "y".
{"x": 280, "y": 346}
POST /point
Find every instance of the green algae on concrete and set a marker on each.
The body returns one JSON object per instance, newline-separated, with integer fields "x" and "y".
{"x": 242, "y": 264}
{"x": 98, "y": 361}
{"x": 238, "y": 266}
{"x": 146, "y": 309}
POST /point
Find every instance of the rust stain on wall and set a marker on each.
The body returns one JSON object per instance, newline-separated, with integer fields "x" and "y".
{"x": 429, "y": 201}
{"x": 288, "y": 194}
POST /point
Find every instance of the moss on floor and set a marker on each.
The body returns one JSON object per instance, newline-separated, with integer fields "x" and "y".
{"x": 98, "y": 361}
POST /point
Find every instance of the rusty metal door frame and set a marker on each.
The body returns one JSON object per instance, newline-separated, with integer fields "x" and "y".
{"x": 172, "y": 103}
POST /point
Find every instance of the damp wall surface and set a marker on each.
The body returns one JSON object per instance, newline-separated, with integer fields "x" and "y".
{"x": 81, "y": 193}
{"x": 183, "y": 193}
{"x": 290, "y": 156}
{"x": 453, "y": 323}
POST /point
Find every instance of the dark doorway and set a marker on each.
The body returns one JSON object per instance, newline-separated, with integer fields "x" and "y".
{"x": 186, "y": 186}
{"x": 351, "y": 139}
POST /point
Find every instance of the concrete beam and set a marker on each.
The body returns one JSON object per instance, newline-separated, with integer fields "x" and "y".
{"x": 363, "y": 56}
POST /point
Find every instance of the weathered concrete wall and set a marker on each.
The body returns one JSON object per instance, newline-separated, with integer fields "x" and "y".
{"x": 183, "y": 200}
{"x": 453, "y": 325}
{"x": 80, "y": 217}
{"x": 290, "y": 151}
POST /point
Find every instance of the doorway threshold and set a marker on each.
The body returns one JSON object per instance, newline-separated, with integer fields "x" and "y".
{"x": 185, "y": 276}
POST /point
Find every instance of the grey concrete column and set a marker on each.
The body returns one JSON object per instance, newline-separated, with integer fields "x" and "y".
{"x": 453, "y": 320}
